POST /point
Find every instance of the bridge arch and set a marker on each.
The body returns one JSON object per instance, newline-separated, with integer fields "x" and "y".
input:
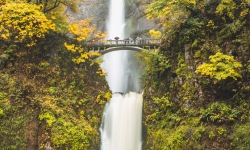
{"x": 128, "y": 44}
{"x": 111, "y": 49}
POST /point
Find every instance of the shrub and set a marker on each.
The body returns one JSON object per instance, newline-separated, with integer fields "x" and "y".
{"x": 240, "y": 137}
{"x": 220, "y": 112}
{"x": 220, "y": 67}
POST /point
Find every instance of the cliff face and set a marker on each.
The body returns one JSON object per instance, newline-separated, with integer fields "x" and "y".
{"x": 46, "y": 100}
{"x": 136, "y": 21}
{"x": 95, "y": 9}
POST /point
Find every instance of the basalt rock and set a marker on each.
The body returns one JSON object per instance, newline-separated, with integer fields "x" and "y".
{"x": 136, "y": 21}
{"x": 97, "y": 10}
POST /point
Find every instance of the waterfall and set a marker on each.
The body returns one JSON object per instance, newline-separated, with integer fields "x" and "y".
{"x": 121, "y": 127}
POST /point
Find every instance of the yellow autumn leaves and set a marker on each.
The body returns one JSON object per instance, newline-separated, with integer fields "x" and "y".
{"x": 23, "y": 23}
{"x": 220, "y": 67}
{"x": 81, "y": 31}
{"x": 155, "y": 33}
{"x": 83, "y": 55}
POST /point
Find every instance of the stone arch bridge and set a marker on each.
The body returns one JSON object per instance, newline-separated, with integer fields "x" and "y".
{"x": 106, "y": 46}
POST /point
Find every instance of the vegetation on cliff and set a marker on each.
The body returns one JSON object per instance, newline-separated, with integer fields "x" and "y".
{"x": 46, "y": 99}
{"x": 197, "y": 86}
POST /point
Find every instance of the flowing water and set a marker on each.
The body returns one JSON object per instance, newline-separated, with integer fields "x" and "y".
{"x": 122, "y": 118}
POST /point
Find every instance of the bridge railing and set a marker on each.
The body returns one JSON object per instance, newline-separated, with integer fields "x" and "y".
{"x": 139, "y": 42}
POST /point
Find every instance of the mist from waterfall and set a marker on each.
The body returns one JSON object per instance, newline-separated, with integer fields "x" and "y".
{"x": 121, "y": 127}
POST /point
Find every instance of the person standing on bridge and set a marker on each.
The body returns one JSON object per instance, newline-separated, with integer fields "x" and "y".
{"x": 138, "y": 40}
{"x": 126, "y": 41}
{"x": 116, "y": 40}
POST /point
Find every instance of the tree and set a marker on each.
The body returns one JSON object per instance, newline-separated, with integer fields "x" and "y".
{"x": 80, "y": 32}
{"x": 23, "y": 23}
{"x": 49, "y": 5}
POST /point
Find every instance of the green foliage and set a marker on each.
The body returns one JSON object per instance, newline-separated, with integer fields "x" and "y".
{"x": 182, "y": 66}
{"x": 45, "y": 97}
{"x": 163, "y": 102}
{"x": 183, "y": 137}
{"x": 48, "y": 117}
{"x": 162, "y": 113}
{"x": 13, "y": 122}
{"x": 155, "y": 65}
{"x": 2, "y": 96}
{"x": 53, "y": 5}
{"x": 220, "y": 67}
{"x": 194, "y": 32}
{"x": 58, "y": 96}
{"x": 51, "y": 90}
{"x": 176, "y": 139}
{"x": 186, "y": 76}
{"x": 68, "y": 134}
{"x": 12, "y": 132}
{"x": 240, "y": 137}
{"x": 1, "y": 112}
{"x": 6, "y": 54}
{"x": 4, "y": 105}
{"x": 44, "y": 64}
{"x": 171, "y": 14}
{"x": 226, "y": 7}
{"x": 219, "y": 112}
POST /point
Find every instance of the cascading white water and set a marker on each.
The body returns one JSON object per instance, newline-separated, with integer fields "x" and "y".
{"x": 122, "y": 123}
{"x": 116, "y": 20}
{"x": 122, "y": 118}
